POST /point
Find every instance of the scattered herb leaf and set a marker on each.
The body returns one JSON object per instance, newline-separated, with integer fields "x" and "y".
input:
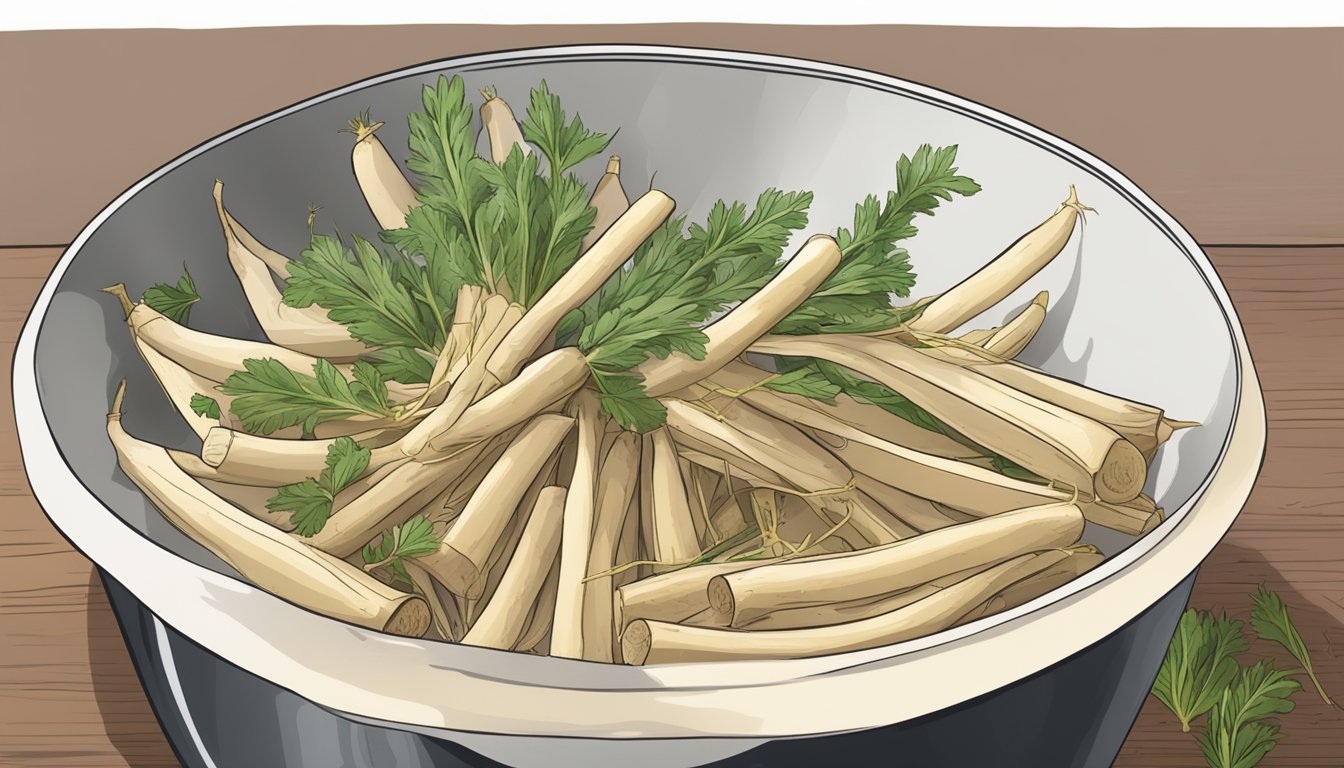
{"x": 1271, "y": 621}
{"x": 270, "y": 397}
{"x": 1199, "y": 664}
{"x": 173, "y": 301}
{"x": 309, "y": 501}
{"x": 1236, "y": 735}
{"x": 206, "y": 406}
{"x": 414, "y": 538}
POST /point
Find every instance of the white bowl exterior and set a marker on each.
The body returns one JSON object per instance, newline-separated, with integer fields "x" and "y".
{"x": 1142, "y": 285}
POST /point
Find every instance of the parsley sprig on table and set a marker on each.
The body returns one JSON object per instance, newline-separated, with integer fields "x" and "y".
{"x": 1200, "y": 675}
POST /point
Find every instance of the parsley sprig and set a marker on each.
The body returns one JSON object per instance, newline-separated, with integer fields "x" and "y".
{"x": 268, "y": 397}
{"x": 414, "y": 538}
{"x": 173, "y": 301}
{"x": 309, "y": 501}
{"x": 1200, "y": 674}
{"x": 856, "y": 298}
{"x": 677, "y": 280}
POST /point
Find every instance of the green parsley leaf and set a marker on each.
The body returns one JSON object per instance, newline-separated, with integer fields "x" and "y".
{"x": 368, "y": 294}
{"x": 414, "y": 538}
{"x": 856, "y": 298}
{"x": 1236, "y": 736}
{"x": 403, "y": 364}
{"x": 206, "y": 406}
{"x": 1199, "y": 665}
{"x": 270, "y": 397}
{"x": 674, "y": 284}
{"x": 309, "y": 500}
{"x": 807, "y": 381}
{"x": 443, "y": 155}
{"x": 173, "y": 301}
{"x": 623, "y": 397}
{"x": 565, "y": 145}
{"x": 1271, "y": 621}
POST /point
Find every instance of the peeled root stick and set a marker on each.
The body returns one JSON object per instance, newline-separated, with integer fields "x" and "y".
{"x": 1051, "y": 441}
{"x": 671, "y": 526}
{"x": 306, "y": 330}
{"x": 465, "y": 550}
{"x": 673, "y": 596}
{"x": 467, "y": 386}
{"x": 567, "y": 638}
{"x": 179, "y": 385}
{"x": 391, "y": 502}
{"x": 272, "y": 559}
{"x": 1005, "y": 274}
{"x": 785, "y": 450}
{"x": 617, "y": 481}
{"x": 607, "y": 255}
{"x": 608, "y": 202}
{"x": 853, "y": 610}
{"x": 730, "y": 335}
{"x": 389, "y": 195}
{"x": 442, "y": 607}
{"x": 536, "y": 637}
{"x": 743, "y": 597}
{"x": 504, "y": 620}
{"x": 741, "y": 380}
{"x": 256, "y": 460}
{"x": 1135, "y": 517}
{"x": 540, "y": 385}
{"x": 251, "y": 499}
{"x": 650, "y": 642}
{"x": 1141, "y": 424}
{"x": 1009, "y": 339}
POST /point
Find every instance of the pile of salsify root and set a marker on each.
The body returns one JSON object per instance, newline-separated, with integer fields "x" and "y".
{"x": 537, "y": 416}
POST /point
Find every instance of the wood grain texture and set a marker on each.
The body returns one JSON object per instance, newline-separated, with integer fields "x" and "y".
{"x": 1235, "y": 131}
{"x": 1168, "y": 107}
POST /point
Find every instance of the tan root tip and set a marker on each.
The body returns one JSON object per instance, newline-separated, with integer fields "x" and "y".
{"x": 489, "y": 93}
{"x": 119, "y": 290}
{"x": 115, "y": 411}
{"x": 1175, "y": 426}
{"x": 1042, "y": 300}
{"x": 614, "y": 165}
{"x": 1072, "y": 202}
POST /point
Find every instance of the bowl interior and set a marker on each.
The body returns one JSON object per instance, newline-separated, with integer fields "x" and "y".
{"x": 1131, "y": 313}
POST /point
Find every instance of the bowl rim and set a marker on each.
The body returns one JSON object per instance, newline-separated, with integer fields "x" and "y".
{"x": 665, "y": 701}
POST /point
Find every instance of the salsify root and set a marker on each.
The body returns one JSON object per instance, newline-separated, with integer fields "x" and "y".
{"x": 582, "y": 280}
{"x": 306, "y": 330}
{"x": 1047, "y": 439}
{"x": 505, "y": 617}
{"x": 731, "y": 335}
{"x": 461, "y": 557}
{"x": 567, "y": 637}
{"x": 389, "y": 195}
{"x": 671, "y": 527}
{"x": 618, "y": 479}
{"x": 653, "y": 642}
{"x": 1008, "y": 340}
{"x": 1006, "y": 273}
{"x": 501, "y": 127}
{"x": 608, "y": 202}
{"x": 268, "y": 557}
{"x": 746, "y": 596}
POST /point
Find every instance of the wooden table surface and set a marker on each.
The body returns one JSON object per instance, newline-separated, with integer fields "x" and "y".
{"x": 1235, "y": 132}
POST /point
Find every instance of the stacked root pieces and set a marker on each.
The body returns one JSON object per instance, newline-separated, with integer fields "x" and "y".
{"x": 539, "y": 419}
